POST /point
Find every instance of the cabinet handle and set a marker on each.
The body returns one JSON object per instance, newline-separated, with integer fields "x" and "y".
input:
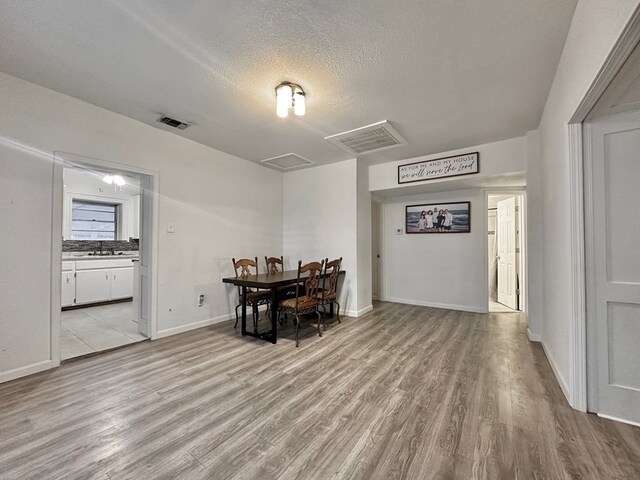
{"x": 114, "y": 276}
{"x": 68, "y": 279}
{"x": 106, "y": 276}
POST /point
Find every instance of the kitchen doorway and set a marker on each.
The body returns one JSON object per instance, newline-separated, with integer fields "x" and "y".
{"x": 106, "y": 251}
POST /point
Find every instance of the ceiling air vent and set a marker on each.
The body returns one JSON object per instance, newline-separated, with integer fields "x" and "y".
{"x": 172, "y": 122}
{"x": 287, "y": 162}
{"x": 372, "y": 138}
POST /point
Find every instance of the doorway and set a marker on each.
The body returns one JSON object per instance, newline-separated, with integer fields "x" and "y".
{"x": 376, "y": 246}
{"x": 105, "y": 257}
{"x": 506, "y": 247}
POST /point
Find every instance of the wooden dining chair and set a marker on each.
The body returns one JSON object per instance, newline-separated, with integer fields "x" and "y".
{"x": 255, "y": 298}
{"x": 329, "y": 295}
{"x": 307, "y": 303}
{"x": 276, "y": 265}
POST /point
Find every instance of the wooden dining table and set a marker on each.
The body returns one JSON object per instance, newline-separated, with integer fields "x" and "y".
{"x": 272, "y": 282}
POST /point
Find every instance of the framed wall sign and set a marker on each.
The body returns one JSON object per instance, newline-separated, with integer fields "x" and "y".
{"x": 443, "y": 217}
{"x": 466, "y": 164}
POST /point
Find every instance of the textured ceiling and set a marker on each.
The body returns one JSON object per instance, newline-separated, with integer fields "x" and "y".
{"x": 448, "y": 74}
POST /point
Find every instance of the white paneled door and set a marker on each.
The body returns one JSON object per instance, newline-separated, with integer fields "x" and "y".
{"x": 613, "y": 238}
{"x": 507, "y": 282}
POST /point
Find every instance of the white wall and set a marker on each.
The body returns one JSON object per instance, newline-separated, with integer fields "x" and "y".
{"x": 496, "y": 159}
{"x": 595, "y": 27}
{"x": 363, "y": 238}
{"x": 438, "y": 270}
{"x": 321, "y": 221}
{"x": 222, "y": 207}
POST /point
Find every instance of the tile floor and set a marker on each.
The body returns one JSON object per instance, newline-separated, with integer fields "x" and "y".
{"x": 93, "y": 329}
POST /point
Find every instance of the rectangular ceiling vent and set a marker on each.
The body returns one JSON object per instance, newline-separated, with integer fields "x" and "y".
{"x": 371, "y": 138}
{"x": 172, "y": 122}
{"x": 287, "y": 162}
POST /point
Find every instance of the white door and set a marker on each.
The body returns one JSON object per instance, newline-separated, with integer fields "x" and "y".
{"x": 506, "y": 220}
{"x": 375, "y": 249}
{"x": 121, "y": 283}
{"x": 93, "y": 286}
{"x": 613, "y": 226}
{"x": 68, "y": 289}
{"x": 143, "y": 267}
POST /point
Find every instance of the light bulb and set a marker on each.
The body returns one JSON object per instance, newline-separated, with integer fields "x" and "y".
{"x": 284, "y": 95}
{"x": 118, "y": 180}
{"x": 298, "y": 103}
{"x": 282, "y": 110}
{"x": 108, "y": 179}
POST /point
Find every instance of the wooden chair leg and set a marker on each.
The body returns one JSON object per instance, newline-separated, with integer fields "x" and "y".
{"x": 256, "y": 316}
{"x": 297, "y": 320}
{"x": 338, "y": 312}
{"x": 319, "y": 321}
{"x": 237, "y": 318}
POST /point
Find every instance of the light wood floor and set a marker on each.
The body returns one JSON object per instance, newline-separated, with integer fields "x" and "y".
{"x": 405, "y": 392}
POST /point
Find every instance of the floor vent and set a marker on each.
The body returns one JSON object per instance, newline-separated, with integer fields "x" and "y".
{"x": 172, "y": 122}
{"x": 371, "y": 138}
{"x": 287, "y": 162}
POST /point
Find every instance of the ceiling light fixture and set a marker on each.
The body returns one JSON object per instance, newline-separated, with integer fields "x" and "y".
{"x": 111, "y": 179}
{"x": 289, "y": 95}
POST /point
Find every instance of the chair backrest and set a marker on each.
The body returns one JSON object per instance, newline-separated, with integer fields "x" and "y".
{"x": 274, "y": 264}
{"x": 310, "y": 283}
{"x": 331, "y": 273}
{"x": 244, "y": 265}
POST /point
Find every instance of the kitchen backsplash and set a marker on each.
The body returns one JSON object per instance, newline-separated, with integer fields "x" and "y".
{"x": 90, "y": 246}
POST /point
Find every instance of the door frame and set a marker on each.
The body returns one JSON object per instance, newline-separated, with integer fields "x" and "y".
{"x": 59, "y": 159}
{"x": 627, "y": 41}
{"x": 379, "y": 233}
{"x": 521, "y": 193}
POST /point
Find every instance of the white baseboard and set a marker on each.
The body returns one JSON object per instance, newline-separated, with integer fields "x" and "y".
{"x": 358, "y": 313}
{"x": 534, "y": 337}
{"x": 24, "y": 371}
{"x": 192, "y": 326}
{"x": 561, "y": 381}
{"x": 616, "y": 419}
{"x": 446, "y": 306}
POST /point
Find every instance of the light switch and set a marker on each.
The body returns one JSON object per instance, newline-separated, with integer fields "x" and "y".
{"x": 170, "y": 228}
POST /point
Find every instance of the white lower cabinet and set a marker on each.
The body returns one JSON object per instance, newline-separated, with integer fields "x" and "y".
{"x": 121, "y": 283}
{"x": 68, "y": 288}
{"x": 91, "y": 285}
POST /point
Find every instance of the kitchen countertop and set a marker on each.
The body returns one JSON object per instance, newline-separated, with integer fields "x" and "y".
{"x": 74, "y": 256}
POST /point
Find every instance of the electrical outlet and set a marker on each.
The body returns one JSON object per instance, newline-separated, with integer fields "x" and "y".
{"x": 201, "y": 299}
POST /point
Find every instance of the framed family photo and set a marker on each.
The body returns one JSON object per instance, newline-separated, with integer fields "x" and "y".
{"x": 452, "y": 217}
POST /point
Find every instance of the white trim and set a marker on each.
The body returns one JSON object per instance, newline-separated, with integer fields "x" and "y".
{"x": 617, "y": 419}
{"x": 561, "y": 381}
{"x": 445, "y": 306}
{"x": 358, "y": 313}
{"x": 534, "y": 337}
{"x": 578, "y": 397}
{"x": 57, "y": 205}
{"x": 625, "y": 44}
{"x": 195, "y": 325}
{"x": 26, "y": 370}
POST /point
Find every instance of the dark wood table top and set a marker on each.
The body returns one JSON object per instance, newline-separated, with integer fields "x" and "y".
{"x": 268, "y": 280}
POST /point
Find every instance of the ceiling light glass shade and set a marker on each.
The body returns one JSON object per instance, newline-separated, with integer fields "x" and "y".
{"x": 284, "y": 99}
{"x": 299, "y": 107}
{"x": 118, "y": 180}
{"x": 108, "y": 179}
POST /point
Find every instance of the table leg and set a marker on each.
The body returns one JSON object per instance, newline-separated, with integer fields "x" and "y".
{"x": 244, "y": 310}
{"x": 274, "y": 315}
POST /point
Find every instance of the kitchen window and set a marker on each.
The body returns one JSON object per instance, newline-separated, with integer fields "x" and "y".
{"x": 94, "y": 220}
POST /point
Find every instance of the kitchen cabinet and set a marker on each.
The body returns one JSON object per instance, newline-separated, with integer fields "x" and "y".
{"x": 68, "y": 288}
{"x": 92, "y": 281}
{"x": 93, "y": 286}
{"x": 121, "y": 283}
